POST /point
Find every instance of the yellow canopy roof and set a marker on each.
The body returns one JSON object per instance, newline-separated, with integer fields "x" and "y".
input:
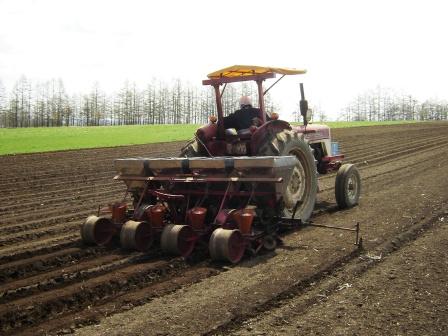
{"x": 249, "y": 70}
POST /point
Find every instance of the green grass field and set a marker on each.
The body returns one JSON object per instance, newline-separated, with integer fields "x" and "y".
{"x": 32, "y": 140}
{"x": 344, "y": 124}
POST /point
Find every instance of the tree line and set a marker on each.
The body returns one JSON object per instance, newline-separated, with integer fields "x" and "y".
{"x": 49, "y": 104}
{"x": 381, "y": 104}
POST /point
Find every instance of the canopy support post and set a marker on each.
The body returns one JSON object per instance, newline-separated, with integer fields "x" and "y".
{"x": 278, "y": 80}
{"x": 221, "y": 130}
{"x": 261, "y": 100}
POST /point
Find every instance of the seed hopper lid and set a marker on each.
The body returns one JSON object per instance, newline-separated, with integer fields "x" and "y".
{"x": 146, "y": 165}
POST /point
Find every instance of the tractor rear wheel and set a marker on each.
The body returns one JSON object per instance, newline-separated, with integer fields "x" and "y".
{"x": 300, "y": 194}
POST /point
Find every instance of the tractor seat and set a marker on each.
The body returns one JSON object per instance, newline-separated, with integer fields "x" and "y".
{"x": 244, "y": 133}
{"x": 231, "y": 132}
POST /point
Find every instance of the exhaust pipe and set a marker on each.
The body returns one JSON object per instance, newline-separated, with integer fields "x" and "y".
{"x": 303, "y": 105}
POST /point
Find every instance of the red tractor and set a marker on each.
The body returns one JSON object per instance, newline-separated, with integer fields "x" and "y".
{"x": 232, "y": 189}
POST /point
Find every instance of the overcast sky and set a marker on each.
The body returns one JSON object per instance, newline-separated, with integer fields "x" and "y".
{"x": 346, "y": 46}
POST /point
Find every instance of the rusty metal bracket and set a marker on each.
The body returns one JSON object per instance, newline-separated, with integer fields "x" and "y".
{"x": 356, "y": 229}
{"x": 298, "y": 223}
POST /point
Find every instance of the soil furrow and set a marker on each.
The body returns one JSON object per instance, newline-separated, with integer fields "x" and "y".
{"x": 81, "y": 271}
{"x": 50, "y": 282}
{"x": 49, "y": 260}
{"x": 80, "y": 295}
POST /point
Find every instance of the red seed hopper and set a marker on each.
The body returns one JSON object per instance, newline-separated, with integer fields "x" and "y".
{"x": 231, "y": 203}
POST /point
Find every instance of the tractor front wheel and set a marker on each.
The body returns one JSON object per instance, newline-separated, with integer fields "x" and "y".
{"x": 191, "y": 149}
{"x": 347, "y": 186}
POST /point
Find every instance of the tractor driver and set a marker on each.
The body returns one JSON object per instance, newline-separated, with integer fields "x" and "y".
{"x": 245, "y": 117}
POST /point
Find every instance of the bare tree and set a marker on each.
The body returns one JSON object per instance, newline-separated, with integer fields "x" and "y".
{"x": 3, "y": 106}
{"x": 48, "y": 104}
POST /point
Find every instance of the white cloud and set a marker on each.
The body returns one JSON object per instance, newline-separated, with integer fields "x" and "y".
{"x": 347, "y": 46}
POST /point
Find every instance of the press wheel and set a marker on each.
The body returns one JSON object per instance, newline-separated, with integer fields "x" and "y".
{"x": 97, "y": 230}
{"x": 228, "y": 245}
{"x": 136, "y": 236}
{"x": 178, "y": 239}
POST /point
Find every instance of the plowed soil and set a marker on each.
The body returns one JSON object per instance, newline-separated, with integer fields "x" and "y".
{"x": 316, "y": 283}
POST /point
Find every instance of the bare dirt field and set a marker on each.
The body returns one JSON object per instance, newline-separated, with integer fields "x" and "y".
{"x": 316, "y": 283}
